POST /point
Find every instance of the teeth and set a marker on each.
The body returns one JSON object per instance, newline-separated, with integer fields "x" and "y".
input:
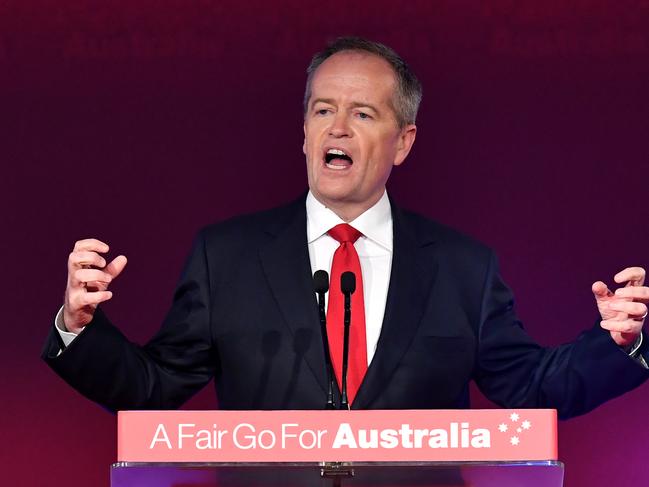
{"x": 337, "y": 168}
{"x": 336, "y": 152}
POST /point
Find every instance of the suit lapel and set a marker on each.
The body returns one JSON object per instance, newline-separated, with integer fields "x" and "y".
{"x": 285, "y": 261}
{"x": 411, "y": 279}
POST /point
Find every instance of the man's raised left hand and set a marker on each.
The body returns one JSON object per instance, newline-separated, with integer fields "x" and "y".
{"x": 623, "y": 311}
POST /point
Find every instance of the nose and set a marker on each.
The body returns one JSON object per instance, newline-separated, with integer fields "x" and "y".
{"x": 339, "y": 126}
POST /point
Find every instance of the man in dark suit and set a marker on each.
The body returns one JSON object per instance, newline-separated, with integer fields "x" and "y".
{"x": 436, "y": 312}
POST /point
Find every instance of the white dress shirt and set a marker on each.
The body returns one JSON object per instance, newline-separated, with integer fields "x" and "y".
{"x": 374, "y": 249}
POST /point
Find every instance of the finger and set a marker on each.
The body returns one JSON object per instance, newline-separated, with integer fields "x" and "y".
{"x": 634, "y": 310}
{"x": 116, "y": 266}
{"x": 600, "y": 290}
{"x": 81, "y": 258}
{"x": 91, "y": 244}
{"x": 625, "y": 326}
{"x": 95, "y": 286}
{"x": 638, "y": 293}
{"x": 89, "y": 275}
{"x": 82, "y": 299}
{"x": 633, "y": 275}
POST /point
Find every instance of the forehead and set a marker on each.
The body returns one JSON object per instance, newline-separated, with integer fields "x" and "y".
{"x": 354, "y": 74}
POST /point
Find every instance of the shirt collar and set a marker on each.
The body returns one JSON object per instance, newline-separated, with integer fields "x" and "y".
{"x": 375, "y": 223}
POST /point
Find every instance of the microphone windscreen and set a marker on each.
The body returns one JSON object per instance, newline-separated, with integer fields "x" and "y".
{"x": 348, "y": 282}
{"x": 321, "y": 282}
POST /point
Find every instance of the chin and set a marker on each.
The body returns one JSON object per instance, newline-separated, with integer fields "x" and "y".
{"x": 333, "y": 195}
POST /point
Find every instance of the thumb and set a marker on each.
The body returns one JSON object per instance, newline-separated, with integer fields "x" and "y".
{"x": 601, "y": 291}
{"x": 116, "y": 266}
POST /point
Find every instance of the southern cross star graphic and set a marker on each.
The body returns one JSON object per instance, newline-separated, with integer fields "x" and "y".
{"x": 517, "y": 428}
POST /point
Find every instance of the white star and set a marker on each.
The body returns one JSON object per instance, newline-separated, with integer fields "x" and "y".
{"x": 519, "y": 430}
{"x": 514, "y": 417}
{"x": 514, "y": 440}
{"x": 502, "y": 427}
{"x": 526, "y": 425}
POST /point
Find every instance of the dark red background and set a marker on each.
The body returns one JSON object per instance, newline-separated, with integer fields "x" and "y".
{"x": 138, "y": 122}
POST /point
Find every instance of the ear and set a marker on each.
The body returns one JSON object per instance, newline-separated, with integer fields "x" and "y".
{"x": 404, "y": 144}
{"x": 304, "y": 143}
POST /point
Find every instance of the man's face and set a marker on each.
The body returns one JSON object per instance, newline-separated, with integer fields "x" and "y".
{"x": 351, "y": 136}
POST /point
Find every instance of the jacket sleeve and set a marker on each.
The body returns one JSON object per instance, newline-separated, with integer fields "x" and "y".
{"x": 574, "y": 378}
{"x": 103, "y": 365}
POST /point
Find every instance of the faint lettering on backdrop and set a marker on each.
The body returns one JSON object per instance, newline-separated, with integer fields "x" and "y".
{"x": 497, "y": 28}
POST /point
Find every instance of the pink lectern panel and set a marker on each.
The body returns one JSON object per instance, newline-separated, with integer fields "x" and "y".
{"x": 337, "y": 436}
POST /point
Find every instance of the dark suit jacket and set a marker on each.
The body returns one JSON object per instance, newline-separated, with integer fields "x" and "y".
{"x": 245, "y": 313}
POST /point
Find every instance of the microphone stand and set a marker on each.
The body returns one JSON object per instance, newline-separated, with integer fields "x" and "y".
{"x": 348, "y": 286}
{"x": 321, "y": 284}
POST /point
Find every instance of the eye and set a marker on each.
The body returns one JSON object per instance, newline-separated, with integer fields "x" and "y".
{"x": 364, "y": 116}
{"x": 322, "y": 111}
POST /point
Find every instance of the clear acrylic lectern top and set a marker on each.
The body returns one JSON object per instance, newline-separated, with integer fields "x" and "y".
{"x": 356, "y": 474}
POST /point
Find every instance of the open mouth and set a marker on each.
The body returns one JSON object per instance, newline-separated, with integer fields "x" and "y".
{"x": 337, "y": 159}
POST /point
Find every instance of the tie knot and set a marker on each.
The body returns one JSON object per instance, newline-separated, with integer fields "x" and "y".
{"x": 344, "y": 233}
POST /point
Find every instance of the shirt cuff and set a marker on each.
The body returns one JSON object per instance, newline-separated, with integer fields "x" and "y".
{"x": 66, "y": 336}
{"x": 634, "y": 352}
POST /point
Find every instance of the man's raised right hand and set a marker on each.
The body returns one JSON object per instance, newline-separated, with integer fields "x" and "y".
{"x": 88, "y": 280}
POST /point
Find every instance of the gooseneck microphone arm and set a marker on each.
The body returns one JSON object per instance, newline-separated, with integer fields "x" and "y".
{"x": 321, "y": 286}
{"x": 347, "y": 286}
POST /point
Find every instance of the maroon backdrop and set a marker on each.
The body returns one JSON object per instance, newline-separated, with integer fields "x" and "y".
{"x": 138, "y": 122}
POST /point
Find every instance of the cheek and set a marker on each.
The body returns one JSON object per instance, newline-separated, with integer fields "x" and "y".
{"x": 307, "y": 147}
{"x": 311, "y": 141}
{"x": 376, "y": 152}
{"x": 380, "y": 160}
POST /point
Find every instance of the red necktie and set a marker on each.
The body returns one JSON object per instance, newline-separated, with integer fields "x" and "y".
{"x": 346, "y": 259}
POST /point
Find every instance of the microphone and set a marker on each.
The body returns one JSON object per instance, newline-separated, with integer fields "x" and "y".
{"x": 347, "y": 286}
{"x": 321, "y": 282}
{"x": 321, "y": 286}
{"x": 348, "y": 282}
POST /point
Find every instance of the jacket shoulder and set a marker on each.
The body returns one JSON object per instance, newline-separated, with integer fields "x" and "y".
{"x": 253, "y": 227}
{"x": 449, "y": 241}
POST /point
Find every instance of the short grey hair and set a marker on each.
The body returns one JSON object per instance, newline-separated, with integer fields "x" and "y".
{"x": 408, "y": 92}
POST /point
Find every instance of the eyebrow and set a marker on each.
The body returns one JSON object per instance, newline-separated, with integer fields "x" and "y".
{"x": 354, "y": 104}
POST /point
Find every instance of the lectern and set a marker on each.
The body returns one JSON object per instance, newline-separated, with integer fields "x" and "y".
{"x": 478, "y": 448}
